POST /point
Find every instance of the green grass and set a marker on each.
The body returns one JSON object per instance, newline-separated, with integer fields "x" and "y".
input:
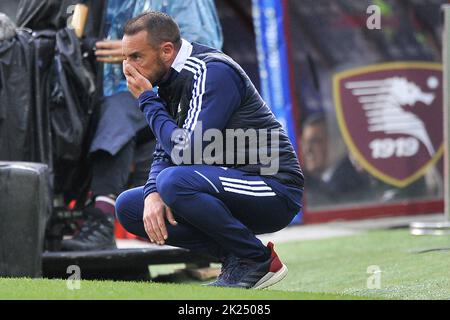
{"x": 57, "y": 289}
{"x": 318, "y": 269}
{"x": 340, "y": 265}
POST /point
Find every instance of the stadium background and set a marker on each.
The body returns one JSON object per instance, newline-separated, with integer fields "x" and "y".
{"x": 294, "y": 66}
{"x": 293, "y": 50}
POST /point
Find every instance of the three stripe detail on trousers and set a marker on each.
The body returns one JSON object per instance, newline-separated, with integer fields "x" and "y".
{"x": 247, "y": 187}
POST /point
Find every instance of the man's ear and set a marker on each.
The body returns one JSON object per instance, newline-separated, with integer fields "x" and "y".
{"x": 167, "y": 51}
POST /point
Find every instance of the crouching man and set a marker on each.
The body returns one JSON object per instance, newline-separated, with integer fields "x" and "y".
{"x": 213, "y": 201}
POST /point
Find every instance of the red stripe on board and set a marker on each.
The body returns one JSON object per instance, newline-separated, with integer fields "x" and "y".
{"x": 379, "y": 211}
{"x": 295, "y": 111}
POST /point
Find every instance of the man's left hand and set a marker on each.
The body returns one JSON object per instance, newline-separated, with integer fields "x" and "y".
{"x": 137, "y": 83}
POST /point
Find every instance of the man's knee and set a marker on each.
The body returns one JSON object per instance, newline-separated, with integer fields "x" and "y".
{"x": 170, "y": 183}
{"x": 124, "y": 203}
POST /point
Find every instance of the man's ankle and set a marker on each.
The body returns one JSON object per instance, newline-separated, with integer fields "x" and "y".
{"x": 106, "y": 204}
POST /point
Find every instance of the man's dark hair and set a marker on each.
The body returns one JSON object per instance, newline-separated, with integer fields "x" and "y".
{"x": 314, "y": 120}
{"x": 159, "y": 26}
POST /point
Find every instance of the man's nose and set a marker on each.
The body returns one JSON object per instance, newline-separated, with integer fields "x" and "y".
{"x": 132, "y": 63}
{"x": 307, "y": 147}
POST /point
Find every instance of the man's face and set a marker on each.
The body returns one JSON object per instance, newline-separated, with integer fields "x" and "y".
{"x": 314, "y": 146}
{"x": 146, "y": 59}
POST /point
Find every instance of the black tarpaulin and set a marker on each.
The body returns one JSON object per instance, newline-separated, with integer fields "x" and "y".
{"x": 44, "y": 14}
{"x": 72, "y": 88}
{"x": 47, "y": 92}
{"x": 17, "y": 98}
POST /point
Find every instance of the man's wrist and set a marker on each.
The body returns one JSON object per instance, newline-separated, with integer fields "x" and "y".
{"x": 146, "y": 98}
{"x": 146, "y": 94}
{"x": 150, "y": 196}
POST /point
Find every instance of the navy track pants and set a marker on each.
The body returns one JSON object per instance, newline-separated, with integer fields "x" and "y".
{"x": 219, "y": 210}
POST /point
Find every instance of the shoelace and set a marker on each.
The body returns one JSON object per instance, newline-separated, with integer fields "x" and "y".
{"x": 238, "y": 268}
{"x": 91, "y": 226}
{"x": 87, "y": 229}
{"x": 227, "y": 267}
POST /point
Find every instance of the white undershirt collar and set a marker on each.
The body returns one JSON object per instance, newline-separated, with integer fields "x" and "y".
{"x": 184, "y": 53}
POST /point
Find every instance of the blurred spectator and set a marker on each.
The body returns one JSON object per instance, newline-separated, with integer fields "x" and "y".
{"x": 328, "y": 183}
{"x": 315, "y": 145}
{"x": 122, "y": 129}
{"x": 343, "y": 181}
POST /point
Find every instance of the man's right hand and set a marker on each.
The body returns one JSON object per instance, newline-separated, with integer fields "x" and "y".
{"x": 155, "y": 213}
